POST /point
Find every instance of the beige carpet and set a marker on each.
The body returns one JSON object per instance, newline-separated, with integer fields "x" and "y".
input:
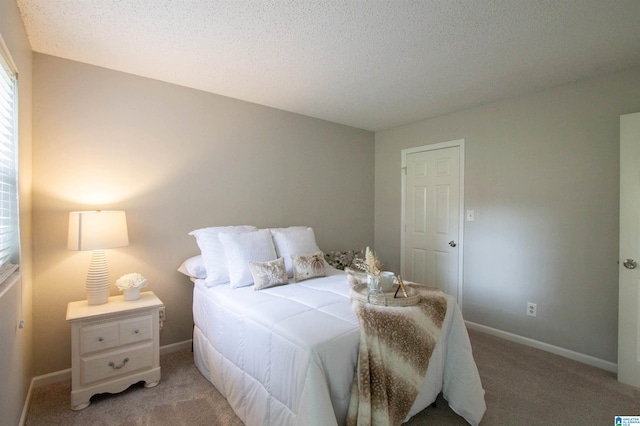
{"x": 524, "y": 386}
{"x": 183, "y": 397}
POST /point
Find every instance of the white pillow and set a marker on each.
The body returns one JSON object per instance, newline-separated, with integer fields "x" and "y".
{"x": 294, "y": 240}
{"x": 215, "y": 261}
{"x": 193, "y": 267}
{"x": 242, "y": 248}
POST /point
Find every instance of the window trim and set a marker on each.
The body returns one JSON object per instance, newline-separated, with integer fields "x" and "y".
{"x": 4, "y": 51}
{"x": 12, "y": 278}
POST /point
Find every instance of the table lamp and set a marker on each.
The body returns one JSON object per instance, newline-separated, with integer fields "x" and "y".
{"x": 97, "y": 230}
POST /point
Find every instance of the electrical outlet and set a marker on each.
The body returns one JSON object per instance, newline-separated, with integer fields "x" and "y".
{"x": 531, "y": 309}
{"x": 163, "y": 314}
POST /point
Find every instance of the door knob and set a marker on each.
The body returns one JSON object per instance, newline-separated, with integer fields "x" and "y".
{"x": 630, "y": 264}
{"x": 452, "y": 243}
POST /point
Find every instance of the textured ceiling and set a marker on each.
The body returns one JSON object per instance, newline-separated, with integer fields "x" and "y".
{"x": 370, "y": 64}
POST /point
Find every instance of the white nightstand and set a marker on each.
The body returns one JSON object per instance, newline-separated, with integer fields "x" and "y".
{"x": 113, "y": 346}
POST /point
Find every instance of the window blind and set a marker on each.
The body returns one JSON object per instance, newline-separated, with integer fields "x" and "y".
{"x": 9, "y": 224}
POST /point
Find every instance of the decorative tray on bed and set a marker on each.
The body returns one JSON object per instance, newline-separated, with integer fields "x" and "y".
{"x": 361, "y": 292}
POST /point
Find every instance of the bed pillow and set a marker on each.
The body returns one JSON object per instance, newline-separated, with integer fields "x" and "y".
{"x": 193, "y": 267}
{"x": 308, "y": 266}
{"x": 294, "y": 240}
{"x": 242, "y": 248}
{"x": 268, "y": 274}
{"x": 215, "y": 262}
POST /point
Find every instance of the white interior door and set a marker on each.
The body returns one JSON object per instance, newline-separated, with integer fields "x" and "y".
{"x": 629, "y": 285}
{"x": 431, "y": 238}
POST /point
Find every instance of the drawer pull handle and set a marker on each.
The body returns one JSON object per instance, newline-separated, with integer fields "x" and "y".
{"x": 136, "y": 332}
{"x": 100, "y": 339}
{"x": 118, "y": 367}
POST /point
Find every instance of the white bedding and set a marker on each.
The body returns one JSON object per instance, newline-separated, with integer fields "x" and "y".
{"x": 287, "y": 355}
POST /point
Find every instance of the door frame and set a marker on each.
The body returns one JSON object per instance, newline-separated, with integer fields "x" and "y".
{"x": 403, "y": 177}
{"x": 628, "y": 304}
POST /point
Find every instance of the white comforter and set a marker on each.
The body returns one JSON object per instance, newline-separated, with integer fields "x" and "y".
{"x": 287, "y": 355}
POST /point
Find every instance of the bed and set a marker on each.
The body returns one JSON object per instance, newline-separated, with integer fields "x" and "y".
{"x": 286, "y": 354}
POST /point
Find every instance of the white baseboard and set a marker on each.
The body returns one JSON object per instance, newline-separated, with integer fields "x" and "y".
{"x": 62, "y": 375}
{"x": 25, "y": 406}
{"x": 567, "y": 353}
{"x": 47, "y": 379}
{"x": 174, "y": 347}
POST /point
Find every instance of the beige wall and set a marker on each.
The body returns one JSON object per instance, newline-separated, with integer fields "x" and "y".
{"x": 541, "y": 173}
{"x": 16, "y": 361}
{"x": 175, "y": 159}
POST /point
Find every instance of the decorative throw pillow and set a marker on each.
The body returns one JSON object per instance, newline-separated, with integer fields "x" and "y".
{"x": 308, "y": 266}
{"x": 292, "y": 241}
{"x": 240, "y": 249}
{"x": 215, "y": 261}
{"x": 268, "y": 274}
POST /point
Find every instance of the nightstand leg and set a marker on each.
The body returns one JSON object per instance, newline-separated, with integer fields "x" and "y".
{"x": 80, "y": 406}
{"x": 151, "y": 384}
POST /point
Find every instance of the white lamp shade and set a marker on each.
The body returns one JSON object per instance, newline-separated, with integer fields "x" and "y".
{"x": 97, "y": 230}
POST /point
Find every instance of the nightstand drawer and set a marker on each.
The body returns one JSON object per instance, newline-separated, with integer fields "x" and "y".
{"x": 98, "y": 337}
{"x": 116, "y": 363}
{"x": 136, "y": 330}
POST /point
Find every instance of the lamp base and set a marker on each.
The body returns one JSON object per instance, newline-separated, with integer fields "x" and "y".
{"x": 98, "y": 279}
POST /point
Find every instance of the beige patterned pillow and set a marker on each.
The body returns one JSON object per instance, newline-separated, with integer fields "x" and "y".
{"x": 308, "y": 266}
{"x": 268, "y": 274}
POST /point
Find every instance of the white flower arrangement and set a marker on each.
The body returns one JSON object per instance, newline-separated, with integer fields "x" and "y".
{"x": 133, "y": 280}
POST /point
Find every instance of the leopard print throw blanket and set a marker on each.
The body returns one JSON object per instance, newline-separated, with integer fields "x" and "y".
{"x": 396, "y": 343}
